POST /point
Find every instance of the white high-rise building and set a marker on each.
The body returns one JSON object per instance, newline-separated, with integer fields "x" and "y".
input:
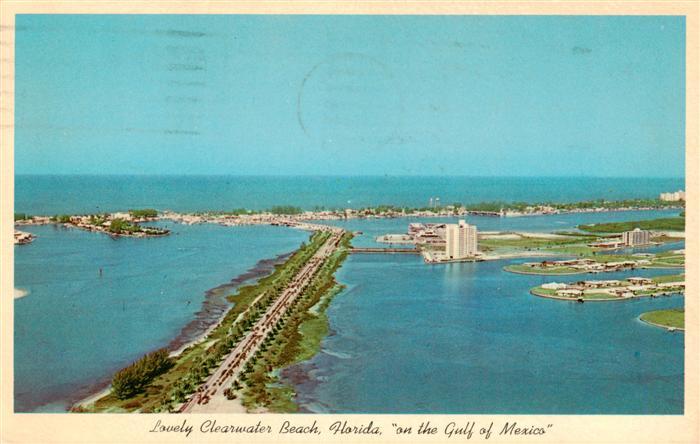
{"x": 460, "y": 240}
{"x": 636, "y": 237}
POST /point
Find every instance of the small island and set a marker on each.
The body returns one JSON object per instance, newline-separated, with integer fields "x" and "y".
{"x": 612, "y": 290}
{"x": 601, "y": 264}
{"x": 121, "y": 224}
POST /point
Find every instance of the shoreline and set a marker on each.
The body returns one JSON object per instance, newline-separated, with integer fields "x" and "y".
{"x": 533, "y": 291}
{"x": 665, "y": 327}
{"x": 588, "y": 272}
{"x": 266, "y": 217}
{"x": 215, "y": 305}
{"x": 178, "y": 344}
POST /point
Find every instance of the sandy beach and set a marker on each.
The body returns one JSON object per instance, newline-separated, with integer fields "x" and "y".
{"x": 20, "y": 293}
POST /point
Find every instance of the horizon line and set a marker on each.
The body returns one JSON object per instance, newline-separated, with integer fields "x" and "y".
{"x": 342, "y": 175}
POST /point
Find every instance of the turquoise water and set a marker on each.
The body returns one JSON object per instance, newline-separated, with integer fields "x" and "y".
{"x": 468, "y": 338}
{"x": 407, "y": 337}
{"x": 75, "y": 327}
{"x": 90, "y": 194}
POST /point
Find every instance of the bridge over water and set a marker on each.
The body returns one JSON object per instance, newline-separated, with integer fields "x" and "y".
{"x": 384, "y": 250}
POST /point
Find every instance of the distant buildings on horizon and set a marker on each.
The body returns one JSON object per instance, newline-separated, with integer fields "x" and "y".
{"x": 673, "y": 197}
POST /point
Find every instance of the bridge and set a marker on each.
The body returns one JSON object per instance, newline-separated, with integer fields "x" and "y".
{"x": 484, "y": 213}
{"x": 384, "y": 250}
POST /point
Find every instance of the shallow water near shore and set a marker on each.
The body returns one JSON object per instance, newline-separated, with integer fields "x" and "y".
{"x": 76, "y": 327}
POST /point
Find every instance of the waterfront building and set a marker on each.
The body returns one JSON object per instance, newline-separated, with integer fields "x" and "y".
{"x": 636, "y": 237}
{"x": 673, "y": 197}
{"x": 460, "y": 240}
{"x": 554, "y": 286}
{"x": 640, "y": 281}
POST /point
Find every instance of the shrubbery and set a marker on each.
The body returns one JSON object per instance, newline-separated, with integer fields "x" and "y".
{"x": 134, "y": 378}
{"x": 146, "y": 212}
{"x": 285, "y": 209}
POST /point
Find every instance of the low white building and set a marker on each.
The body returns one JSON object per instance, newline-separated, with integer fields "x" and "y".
{"x": 673, "y": 197}
{"x": 553, "y": 286}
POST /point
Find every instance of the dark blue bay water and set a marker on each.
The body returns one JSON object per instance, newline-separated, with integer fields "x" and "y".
{"x": 89, "y": 194}
{"x": 75, "y": 328}
{"x": 469, "y": 338}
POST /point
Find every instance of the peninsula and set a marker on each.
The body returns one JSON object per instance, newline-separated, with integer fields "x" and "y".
{"x": 272, "y": 324}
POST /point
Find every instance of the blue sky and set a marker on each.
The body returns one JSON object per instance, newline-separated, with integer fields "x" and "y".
{"x": 350, "y": 95}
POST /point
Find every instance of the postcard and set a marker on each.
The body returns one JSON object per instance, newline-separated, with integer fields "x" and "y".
{"x": 365, "y": 222}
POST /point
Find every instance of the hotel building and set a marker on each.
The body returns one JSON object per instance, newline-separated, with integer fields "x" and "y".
{"x": 460, "y": 240}
{"x": 636, "y": 237}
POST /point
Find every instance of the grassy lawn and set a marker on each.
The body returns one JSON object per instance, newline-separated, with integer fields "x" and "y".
{"x": 669, "y": 261}
{"x": 537, "y": 270}
{"x": 669, "y": 278}
{"x": 667, "y": 318}
{"x": 667, "y": 224}
{"x": 586, "y": 296}
{"x": 544, "y": 291}
{"x": 531, "y": 243}
{"x": 599, "y": 296}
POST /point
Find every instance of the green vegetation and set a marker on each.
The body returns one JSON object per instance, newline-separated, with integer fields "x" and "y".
{"x": 569, "y": 206}
{"x": 147, "y": 212}
{"x": 668, "y": 224}
{"x": 62, "y": 218}
{"x": 134, "y": 378}
{"x": 97, "y": 220}
{"x": 22, "y": 216}
{"x": 285, "y": 210}
{"x": 543, "y": 291}
{"x": 197, "y": 361}
{"x": 674, "y": 318}
{"x": 547, "y": 292}
{"x": 295, "y": 338}
{"x": 120, "y": 226}
{"x": 668, "y": 259}
{"x": 669, "y": 278}
{"x": 601, "y": 295}
{"x": 565, "y": 245}
{"x": 524, "y": 269}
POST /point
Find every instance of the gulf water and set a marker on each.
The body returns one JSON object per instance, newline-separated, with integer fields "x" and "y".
{"x": 407, "y": 337}
{"x": 90, "y": 194}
